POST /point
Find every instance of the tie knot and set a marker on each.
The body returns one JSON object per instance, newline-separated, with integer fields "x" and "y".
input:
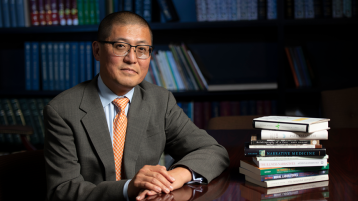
{"x": 121, "y": 103}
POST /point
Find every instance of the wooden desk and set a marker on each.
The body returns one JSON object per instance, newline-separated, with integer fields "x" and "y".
{"x": 342, "y": 148}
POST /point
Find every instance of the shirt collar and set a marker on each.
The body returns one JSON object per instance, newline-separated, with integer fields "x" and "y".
{"x": 107, "y": 96}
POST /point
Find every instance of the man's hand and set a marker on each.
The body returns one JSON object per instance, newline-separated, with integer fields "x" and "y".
{"x": 152, "y": 179}
{"x": 181, "y": 176}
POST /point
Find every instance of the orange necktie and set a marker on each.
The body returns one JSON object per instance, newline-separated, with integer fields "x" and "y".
{"x": 119, "y": 133}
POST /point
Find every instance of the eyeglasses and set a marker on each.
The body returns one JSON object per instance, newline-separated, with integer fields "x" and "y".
{"x": 121, "y": 49}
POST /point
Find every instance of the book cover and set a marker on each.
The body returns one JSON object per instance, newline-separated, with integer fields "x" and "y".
{"x": 28, "y": 66}
{"x": 74, "y": 58}
{"x": 291, "y": 163}
{"x": 67, "y": 61}
{"x": 281, "y": 176}
{"x": 61, "y": 65}
{"x": 284, "y": 182}
{"x": 13, "y": 15}
{"x": 283, "y": 152}
{"x": 287, "y": 123}
{"x": 252, "y": 167}
{"x": 89, "y": 66}
{"x": 55, "y": 12}
{"x": 289, "y": 135}
{"x": 44, "y": 66}
{"x": 42, "y": 12}
{"x": 35, "y": 66}
{"x": 51, "y": 67}
{"x": 20, "y": 13}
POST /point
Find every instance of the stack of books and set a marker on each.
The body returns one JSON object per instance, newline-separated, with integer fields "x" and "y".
{"x": 286, "y": 152}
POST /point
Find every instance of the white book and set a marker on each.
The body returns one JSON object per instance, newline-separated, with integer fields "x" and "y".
{"x": 284, "y": 182}
{"x": 290, "y": 163}
{"x": 288, "y": 123}
{"x": 288, "y": 135}
{"x": 176, "y": 71}
{"x": 163, "y": 71}
{"x": 283, "y": 146}
{"x": 283, "y": 158}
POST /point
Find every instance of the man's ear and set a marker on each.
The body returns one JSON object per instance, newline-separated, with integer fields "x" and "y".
{"x": 95, "y": 49}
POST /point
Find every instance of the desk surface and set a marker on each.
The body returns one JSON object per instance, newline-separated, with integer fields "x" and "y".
{"x": 342, "y": 148}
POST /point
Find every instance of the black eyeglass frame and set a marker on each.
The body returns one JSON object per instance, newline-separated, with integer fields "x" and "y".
{"x": 135, "y": 47}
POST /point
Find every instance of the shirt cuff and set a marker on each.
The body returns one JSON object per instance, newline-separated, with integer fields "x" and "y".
{"x": 196, "y": 177}
{"x": 125, "y": 190}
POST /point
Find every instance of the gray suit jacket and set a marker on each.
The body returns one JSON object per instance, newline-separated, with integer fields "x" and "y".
{"x": 78, "y": 150}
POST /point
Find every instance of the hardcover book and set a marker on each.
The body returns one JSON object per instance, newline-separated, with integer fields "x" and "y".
{"x": 284, "y": 182}
{"x": 283, "y": 151}
{"x": 288, "y": 135}
{"x": 290, "y": 163}
{"x": 287, "y": 123}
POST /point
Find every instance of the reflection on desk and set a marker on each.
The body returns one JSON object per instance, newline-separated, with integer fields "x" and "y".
{"x": 231, "y": 185}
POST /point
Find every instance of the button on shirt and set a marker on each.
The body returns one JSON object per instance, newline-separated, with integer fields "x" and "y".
{"x": 110, "y": 110}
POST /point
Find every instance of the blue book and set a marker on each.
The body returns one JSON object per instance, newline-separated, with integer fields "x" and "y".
{"x": 44, "y": 66}
{"x": 101, "y": 10}
{"x": 215, "y": 109}
{"x": 128, "y": 5}
{"x": 61, "y": 66}
{"x": 67, "y": 64}
{"x": 35, "y": 59}
{"x": 191, "y": 111}
{"x": 115, "y": 5}
{"x": 6, "y": 12}
{"x": 74, "y": 64}
{"x": 82, "y": 62}
{"x": 139, "y": 7}
{"x": 50, "y": 64}
{"x": 147, "y": 10}
{"x": 1, "y": 13}
{"x": 12, "y": 6}
{"x": 96, "y": 66}
{"x": 28, "y": 66}
{"x": 89, "y": 69}
{"x": 20, "y": 11}
{"x": 271, "y": 9}
{"x": 56, "y": 63}
{"x": 186, "y": 10}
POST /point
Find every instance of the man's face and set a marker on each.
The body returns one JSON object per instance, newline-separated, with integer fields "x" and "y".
{"x": 122, "y": 73}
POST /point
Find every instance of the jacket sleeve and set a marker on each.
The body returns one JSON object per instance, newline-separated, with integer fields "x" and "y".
{"x": 63, "y": 169}
{"x": 191, "y": 146}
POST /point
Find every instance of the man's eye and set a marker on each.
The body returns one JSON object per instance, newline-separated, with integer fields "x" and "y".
{"x": 120, "y": 46}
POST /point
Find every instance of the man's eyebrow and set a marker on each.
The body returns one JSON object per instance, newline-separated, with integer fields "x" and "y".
{"x": 126, "y": 40}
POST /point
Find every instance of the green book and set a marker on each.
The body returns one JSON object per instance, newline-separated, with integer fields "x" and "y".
{"x": 92, "y": 12}
{"x": 10, "y": 113}
{"x": 251, "y": 166}
{"x": 86, "y": 12}
{"x": 29, "y": 120}
{"x": 37, "y": 119}
{"x": 80, "y": 12}
{"x": 98, "y": 16}
{"x": 3, "y": 121}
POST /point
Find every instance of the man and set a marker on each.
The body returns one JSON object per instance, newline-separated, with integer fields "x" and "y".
{"x": 104, "y": 137}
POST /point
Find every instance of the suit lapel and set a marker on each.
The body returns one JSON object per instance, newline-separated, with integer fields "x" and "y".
{"x": 138, "y": 118}
{"x": 96, "y": 126}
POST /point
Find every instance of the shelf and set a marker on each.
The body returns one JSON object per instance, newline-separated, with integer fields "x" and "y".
{"x": 332, "y": 21}
{"x": 154, "y": 26}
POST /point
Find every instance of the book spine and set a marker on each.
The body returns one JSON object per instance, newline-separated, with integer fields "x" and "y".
{"x": 92, "y": 12}
{"x": 271, "y": 9}
{"x": 89, "y": 68}
{"x": 296, "y": 67}
{"x": 56, "y": 63}
{"x": 42, "y": 12}
{"x": 67, "y": 12}
{"x": 186, "y": 67}
{"x": 3, "y": 121}
{"x": 34, "y": 13}
{"x": 289, "y": 9}
{"x": 202, "y": 79}
{"x": 12, "y": 116}
{"x": 35, "y": 66}
{"x": 7, "y": 120}
{"x": 29, "y": 120}
{"x": 50, "y": 62}
{"x": 297, "y": 84}
{"x": 180, "y": 67}
{"x": 61, "y": 65}
{"x": 191, "y": 66}
{"x": 233, "y": 10}
{"x": 284, "y": 182}
{"x": 74, "y": 63}
{"x": 61, "y": 12}
{"x": 86, "y": 11}
{"x": 28, "y": 85}
{"x": 20, "y": 13}
{"x": 309, "y": 9}
{"x": 304, "y": 65}
{"x": 288, "y": 146}
{"x": 215, "y": 109}
{"x": 55, "y": 12}
{"x": 44, "y": 66}
{"x": 82, "y": 62}
{"x": 200, "y": 10}
{"x": 74, "y": 12}
{"x": 224, "y": 108}
{"x": 109, "y": 7}
{"x": 80, "y": 12}
{"x": 318, "y": 8}
{"x": 67, "y": 65}
{"x": 178, "y": 78}
{"x": 147, "y": 10}
{"x": 162, "y": 71}
{"x": 101, "y": 10}
{"x": 6, "y": 13}
{"x": 327, "y": 8}
{"x": 128, "y": 5}
{"x": 337, "y": 8}
{"x": 285, "y": 142}
{"x": 37, "y": 119}
{"x": 116, "y": 5}
{"x": 288, "y": 135}
{"x": 253, "y": 10}
{"x": 170, "y": 68}
{"x": 347, "y": 8}
{"x": 48, "y": 13}
{"x": 156, "y": 72}
{"x": 262, "y": 9}
{"x": 292, "y": 175}
{"x": 299, "y": 9}
{"x": 13, "y": 20}
{"x": 19, "y": 117}
{"x": 244, "y": 107}
{"x": 252, "y": 107}
{"x": 138, "y": 8}
{"x": 284, "y": 152}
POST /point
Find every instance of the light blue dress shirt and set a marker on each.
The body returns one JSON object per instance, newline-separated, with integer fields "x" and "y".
{"x": 110, "y": 110}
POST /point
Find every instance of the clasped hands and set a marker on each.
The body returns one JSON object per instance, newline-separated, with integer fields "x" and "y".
{"x": 151, "y": 180}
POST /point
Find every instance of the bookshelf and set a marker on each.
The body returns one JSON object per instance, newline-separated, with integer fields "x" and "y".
{"x": 315, "y": 35}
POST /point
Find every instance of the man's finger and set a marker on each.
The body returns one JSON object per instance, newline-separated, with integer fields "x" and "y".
{"x": 163, "y": 171}
{"x": 143, "y": 193}
{"x": 159, "y": 180}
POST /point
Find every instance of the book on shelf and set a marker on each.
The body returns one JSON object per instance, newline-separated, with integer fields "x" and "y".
{"x": 284, "y": 182}
{"x": 282, "y": 158}
{"x": 287, "y": 123}
{"x": 252, "y": 191}
{"x": 281, "y": 176}
{"x": 290, "y": 135}
{"x": 290, "y": 163}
